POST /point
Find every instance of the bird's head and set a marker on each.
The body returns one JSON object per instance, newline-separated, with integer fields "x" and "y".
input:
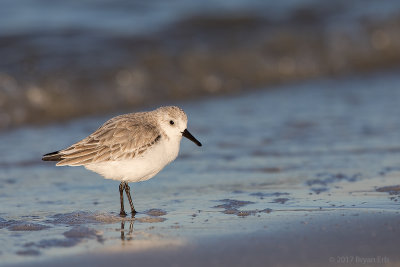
{"x": 173, "y": 121}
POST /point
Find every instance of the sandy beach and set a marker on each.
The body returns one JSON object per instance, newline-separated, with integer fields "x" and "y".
{"x": 305, "y": 174}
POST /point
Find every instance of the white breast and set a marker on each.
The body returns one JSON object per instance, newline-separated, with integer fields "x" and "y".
{"x": 141, "y": 167}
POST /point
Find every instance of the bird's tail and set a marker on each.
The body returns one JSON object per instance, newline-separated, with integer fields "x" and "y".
{"x": 53, "y": 156}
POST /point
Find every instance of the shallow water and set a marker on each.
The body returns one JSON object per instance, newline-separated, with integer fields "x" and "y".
{"x": 62, "y": 60}
{"x": 318, "y": 153}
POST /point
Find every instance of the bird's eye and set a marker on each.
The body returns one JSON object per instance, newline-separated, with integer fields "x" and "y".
{"x": 171, "y": 122}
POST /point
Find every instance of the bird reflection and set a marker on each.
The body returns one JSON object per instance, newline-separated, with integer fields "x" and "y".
{"x": 129, "y": 236}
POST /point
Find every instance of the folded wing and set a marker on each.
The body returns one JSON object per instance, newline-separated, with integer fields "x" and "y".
{"x": 119, "y": 138}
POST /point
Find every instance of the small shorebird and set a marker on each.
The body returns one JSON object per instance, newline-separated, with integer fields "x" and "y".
{"x": 129, "y": 148}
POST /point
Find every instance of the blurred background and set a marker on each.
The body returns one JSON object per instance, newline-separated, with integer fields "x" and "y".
{"x": 296, "y": 103}
{"x": 65, "y": 59}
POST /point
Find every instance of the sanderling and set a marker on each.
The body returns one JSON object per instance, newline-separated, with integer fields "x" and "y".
{"x": 129, "y": 148}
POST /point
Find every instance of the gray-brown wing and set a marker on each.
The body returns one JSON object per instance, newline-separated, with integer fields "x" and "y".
{"x": 119, "y": 138}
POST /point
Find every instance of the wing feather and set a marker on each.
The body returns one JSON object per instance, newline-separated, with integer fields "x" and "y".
{"x": 123, "y": 137}
{"x": 80, "y": 152}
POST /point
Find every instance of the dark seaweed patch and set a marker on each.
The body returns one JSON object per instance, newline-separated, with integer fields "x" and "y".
{"x": 319, "y": 190}
{"x": 28, "y": 252}
{"x": 231, "y": 207}
{"x": 26, "y": 226}
{"x": 156, "y": 212}
{"x": 280, "y": 200}
{"x": 392, "y": 190}
{"x": 232, "y": 204}
{"x": 328, "y": 178}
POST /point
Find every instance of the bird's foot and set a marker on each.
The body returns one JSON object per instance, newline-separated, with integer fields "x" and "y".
{"x": 122, "y": 213}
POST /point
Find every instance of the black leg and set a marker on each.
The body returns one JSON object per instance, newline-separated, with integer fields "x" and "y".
{"x": 122, "y": 186}
{"x": 128, "y": 194}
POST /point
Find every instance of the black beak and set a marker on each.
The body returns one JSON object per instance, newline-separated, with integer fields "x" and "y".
{"x": 189, "y": 136}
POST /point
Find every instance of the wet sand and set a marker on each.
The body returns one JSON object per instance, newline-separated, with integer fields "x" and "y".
{"x": 302, "y": 175}
{"x": 333, "y": 238}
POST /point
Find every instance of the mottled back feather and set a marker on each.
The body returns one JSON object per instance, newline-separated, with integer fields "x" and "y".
{"x": 122, "y": 137}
